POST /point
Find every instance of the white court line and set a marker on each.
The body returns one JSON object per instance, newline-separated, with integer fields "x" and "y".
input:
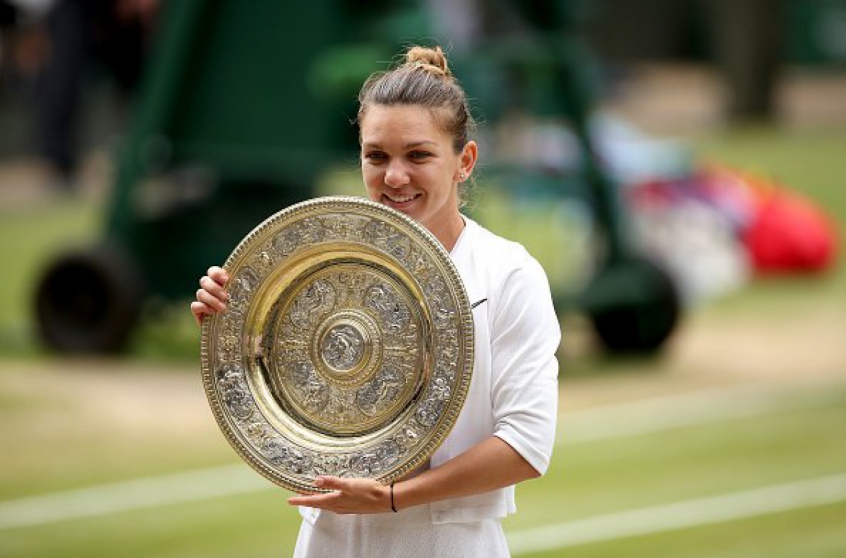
{"x": 680, "y": 515}
{"x": 136, "y": 494}
{"x": 624, "y": 419}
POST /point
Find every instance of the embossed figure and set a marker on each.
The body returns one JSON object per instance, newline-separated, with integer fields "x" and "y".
{"x": 380, "y": 393}
{"x": 343, "y": 347}
{"x": 417, "y": 151}
{"x": 314, "y": 300}
{"x": 395, "y": 315}
{"x": 314, "y": 393}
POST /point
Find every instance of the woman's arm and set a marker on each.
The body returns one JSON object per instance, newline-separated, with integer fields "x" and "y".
{"x": 487, "y": 466}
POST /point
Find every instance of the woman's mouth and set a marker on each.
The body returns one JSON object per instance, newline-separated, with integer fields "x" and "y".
{"x": 399, "y": 201}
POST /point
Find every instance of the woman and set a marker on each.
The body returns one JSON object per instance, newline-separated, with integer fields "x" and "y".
{"x": 416, "y": 152}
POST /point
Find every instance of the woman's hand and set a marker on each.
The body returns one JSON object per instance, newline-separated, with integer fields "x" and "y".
{"x": 211, "y": 297}
{"x": 358, "y": 496}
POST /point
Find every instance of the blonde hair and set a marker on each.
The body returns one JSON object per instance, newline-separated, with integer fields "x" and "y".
{"x": 423, "y": 79}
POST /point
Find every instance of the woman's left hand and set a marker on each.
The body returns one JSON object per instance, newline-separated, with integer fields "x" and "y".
{"x": 358, "y": 496}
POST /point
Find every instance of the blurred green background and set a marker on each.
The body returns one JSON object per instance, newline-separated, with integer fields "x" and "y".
{"x": 729, "y": 442}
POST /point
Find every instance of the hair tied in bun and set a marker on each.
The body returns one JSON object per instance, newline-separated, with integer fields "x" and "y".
{"x": 430, "y": 59}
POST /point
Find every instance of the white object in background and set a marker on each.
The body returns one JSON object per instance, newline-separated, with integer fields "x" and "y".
{"x": 697, "y": 246}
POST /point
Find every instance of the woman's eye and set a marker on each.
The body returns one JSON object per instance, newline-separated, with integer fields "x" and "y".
{"x": 418, "y": 155}
{"x": 375, "y": 156}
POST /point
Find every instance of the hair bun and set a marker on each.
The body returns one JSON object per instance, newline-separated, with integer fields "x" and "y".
{"x": 430, "y": 59}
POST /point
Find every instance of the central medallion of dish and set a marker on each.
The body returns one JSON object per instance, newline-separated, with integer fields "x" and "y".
{"x": 346, "y": 356}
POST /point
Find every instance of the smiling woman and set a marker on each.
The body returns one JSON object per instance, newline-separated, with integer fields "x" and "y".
{"x": 416, "y": 151}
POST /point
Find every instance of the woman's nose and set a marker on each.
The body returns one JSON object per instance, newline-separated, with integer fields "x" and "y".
{"x": 396, "y": 174}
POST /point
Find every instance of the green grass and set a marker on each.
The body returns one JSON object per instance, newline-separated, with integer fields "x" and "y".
{"x": 639, "y": 471}
{"x": 812, "y": 533}
{"x": 254, "y": 526}
{"x": 586, "y": 479}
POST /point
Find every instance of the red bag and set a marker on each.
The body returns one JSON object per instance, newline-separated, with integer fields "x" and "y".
{"x": 789, "y": 233}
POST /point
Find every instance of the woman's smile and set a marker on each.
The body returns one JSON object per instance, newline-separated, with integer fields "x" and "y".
{"x": 401, "y": 202}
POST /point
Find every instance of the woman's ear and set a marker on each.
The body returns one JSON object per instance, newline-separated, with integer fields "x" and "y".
{"x": 467, "y": 161}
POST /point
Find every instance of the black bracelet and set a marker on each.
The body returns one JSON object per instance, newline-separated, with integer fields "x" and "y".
{"x": 393, "y": 507}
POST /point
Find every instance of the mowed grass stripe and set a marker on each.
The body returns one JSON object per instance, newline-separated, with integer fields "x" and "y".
{"x": 679, "y": 515}
{"x": 627, "y": 419}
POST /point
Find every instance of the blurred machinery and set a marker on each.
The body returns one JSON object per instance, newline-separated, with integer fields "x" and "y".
{"x": 244, "y": 106}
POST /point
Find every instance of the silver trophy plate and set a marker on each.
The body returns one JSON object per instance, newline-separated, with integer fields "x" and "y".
{"x": 346, "y": 348}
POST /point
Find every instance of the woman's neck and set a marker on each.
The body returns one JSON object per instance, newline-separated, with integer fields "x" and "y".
{"x": 447, "y": 233}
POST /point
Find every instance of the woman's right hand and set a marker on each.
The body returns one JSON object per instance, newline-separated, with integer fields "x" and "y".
{"x": 211, "y": 297}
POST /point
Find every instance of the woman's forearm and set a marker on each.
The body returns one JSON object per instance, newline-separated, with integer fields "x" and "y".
{"x": 487, "y": 466}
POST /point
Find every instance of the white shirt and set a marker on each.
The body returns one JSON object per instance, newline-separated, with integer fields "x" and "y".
{"x": 514, "y": 391}
{"x": 513, "y": 394}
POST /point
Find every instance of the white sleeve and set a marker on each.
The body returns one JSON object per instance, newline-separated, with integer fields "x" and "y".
{"x": 525, "y": 334}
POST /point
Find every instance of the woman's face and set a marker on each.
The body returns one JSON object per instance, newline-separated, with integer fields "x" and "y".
{"x": 408, "y": 163}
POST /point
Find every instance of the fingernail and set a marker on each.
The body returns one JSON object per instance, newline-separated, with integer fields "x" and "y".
{"x": 318, "y": 481}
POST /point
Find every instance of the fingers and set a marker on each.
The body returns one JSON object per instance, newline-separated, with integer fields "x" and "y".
{"x": 213, "y": 288}
{"x": 218, "y": 275}
{"x": 215, "y": 303}
{"x": 198, "y": 309}
{"x": 322, "y": 501}
{"x": 325, "y": 501}
{"x": 211, "y": 296}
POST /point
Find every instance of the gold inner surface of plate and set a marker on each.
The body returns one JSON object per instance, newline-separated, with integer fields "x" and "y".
{"x": 340, "y": 345}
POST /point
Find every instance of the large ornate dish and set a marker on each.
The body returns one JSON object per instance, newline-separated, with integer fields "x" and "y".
{"x": 347, "y": 346}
